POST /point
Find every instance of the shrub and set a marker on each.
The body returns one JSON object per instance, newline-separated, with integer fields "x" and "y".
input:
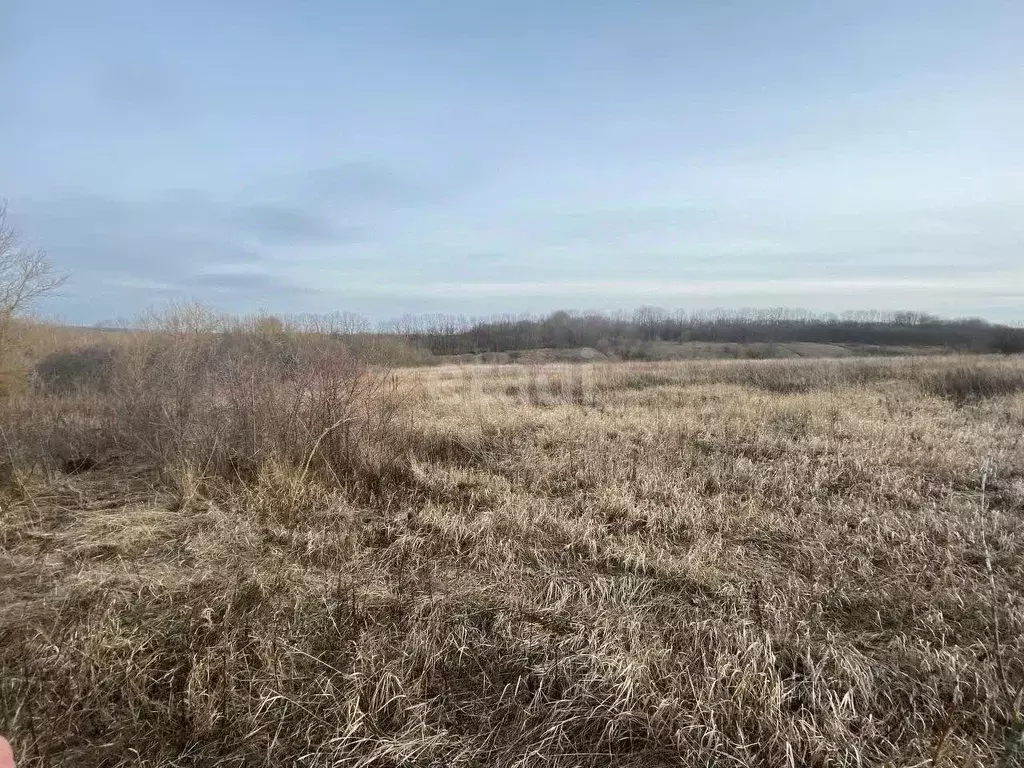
{"x": 1008, "y": 341}
{"x": 778, "y": 378}
{"x": 89, "y": 369}
{"x": 221, "y": 404}
{"x": 13, "y": 378}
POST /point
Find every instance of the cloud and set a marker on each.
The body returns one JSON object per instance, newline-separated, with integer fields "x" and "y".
{"x": 265, "y": 243}
{"x": 257, "y": 249}
{"x": 976, "y": 285}
{"x": 186, "y": 231}
{"x": 175, "y": 231}
{"x": 256, "y": 285}
{"x": 743, "y": 243}
{"x": 360, "y": 184}
{"x": 626, "y": 222}
{"x": 135, "y": 85}
{"x": 136, "y": 252}
{"x": 277, "y": 225}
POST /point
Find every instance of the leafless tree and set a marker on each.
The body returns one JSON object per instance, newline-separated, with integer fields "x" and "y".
{"x": 26, "y": 274}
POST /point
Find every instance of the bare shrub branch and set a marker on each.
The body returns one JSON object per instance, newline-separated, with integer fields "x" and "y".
{"x": 26, "y": 274}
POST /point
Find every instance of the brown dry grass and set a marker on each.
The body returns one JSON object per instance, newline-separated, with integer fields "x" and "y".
{"x": 763, "y": 563}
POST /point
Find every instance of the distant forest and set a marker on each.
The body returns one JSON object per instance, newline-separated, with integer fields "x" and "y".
{"x": 639, "y": 334}
{"x": 644, "y": 334}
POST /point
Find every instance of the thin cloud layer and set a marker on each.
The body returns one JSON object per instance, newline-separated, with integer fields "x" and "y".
{"x": 388, "y": 160}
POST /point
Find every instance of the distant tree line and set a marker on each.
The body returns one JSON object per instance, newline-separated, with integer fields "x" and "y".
{"x": 620, "y": 332}
{"x": 645, "y": 333}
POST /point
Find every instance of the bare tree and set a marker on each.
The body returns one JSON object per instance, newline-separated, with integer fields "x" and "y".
{"x": 26, "y": 274}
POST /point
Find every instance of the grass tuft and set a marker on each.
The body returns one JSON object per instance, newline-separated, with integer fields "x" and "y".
{"x": 967, "y": 383}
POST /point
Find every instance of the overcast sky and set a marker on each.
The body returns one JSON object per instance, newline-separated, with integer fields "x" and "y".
{"x": 479, "y": 156}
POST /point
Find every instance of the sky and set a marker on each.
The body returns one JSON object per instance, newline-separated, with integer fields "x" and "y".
{"x": 481, "y": 156}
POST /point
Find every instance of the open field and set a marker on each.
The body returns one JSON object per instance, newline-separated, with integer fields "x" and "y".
{"x": 687, "y": 350}
{"x": 749, "y": 563}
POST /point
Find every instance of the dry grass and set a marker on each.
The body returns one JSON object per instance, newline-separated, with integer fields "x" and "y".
{"x": 736, "y": 563}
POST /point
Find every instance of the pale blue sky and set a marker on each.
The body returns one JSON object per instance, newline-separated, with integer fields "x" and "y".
{"x": 478, "y": 157}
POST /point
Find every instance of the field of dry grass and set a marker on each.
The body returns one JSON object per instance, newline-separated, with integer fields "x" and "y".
{"x": 767, "y": 563}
